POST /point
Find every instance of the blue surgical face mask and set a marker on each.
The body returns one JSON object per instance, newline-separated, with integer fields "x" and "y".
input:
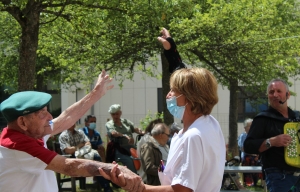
{"x": 92, "y": 126}
{"x": 174, "y": 109}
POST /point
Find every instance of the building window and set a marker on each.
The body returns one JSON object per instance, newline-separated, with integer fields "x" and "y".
{"x": 249, "y": 108}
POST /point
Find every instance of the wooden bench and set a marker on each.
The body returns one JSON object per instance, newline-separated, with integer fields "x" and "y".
{"x": 242, "y": 169}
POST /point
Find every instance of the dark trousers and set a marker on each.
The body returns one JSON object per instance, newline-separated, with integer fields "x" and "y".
{"x": 103, "y": 182}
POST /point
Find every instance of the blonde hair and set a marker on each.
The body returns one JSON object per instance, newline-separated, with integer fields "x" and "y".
{"x": 199, "y": 86}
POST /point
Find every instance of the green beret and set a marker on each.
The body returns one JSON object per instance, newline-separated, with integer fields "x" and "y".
{"x": 114, "y": 108}
{"x": 23, "y": 103}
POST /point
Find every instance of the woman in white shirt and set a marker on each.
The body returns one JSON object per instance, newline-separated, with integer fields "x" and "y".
{"x": 197, "y": 155}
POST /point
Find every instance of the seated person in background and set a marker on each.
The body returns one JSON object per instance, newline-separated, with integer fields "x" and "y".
{"x": 242, "y": 137}
{"x": 155, "y": 150}
{"x": 250, "y": 179}
{"x": 143, "y": 140}
{"x": 174, "y": 128}
{"x": 71, "y": 141}
{"x": 120, "y": 131}
{"x": 93, "y": 135}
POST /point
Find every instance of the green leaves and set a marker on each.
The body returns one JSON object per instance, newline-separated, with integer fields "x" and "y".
{"x": 242, "y": 40}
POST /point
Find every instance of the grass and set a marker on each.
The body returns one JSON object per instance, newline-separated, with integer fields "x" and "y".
{"x": 252, "y": 188}
{"x": 93, "y": 190}
{"x": 255, "y": 188}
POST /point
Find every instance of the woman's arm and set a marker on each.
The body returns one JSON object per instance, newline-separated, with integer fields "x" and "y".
{"x": 170, "y": 51}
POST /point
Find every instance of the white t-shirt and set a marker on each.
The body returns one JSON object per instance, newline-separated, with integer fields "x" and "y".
{"x": 22, "y": 164}
{"x": 197, "y": 157}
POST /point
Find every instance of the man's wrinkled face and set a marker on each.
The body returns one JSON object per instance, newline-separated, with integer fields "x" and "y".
{"x": 37, "y": 123}
{"x": 277, "y": 93}
{"x": 116, "y": 116}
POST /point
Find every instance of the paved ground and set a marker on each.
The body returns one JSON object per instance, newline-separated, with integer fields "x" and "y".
{"x": 89, "y": 180}
{"x": 68, "y": 184}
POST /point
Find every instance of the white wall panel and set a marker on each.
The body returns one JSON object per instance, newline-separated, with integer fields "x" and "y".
{"x": 140, "y": 96}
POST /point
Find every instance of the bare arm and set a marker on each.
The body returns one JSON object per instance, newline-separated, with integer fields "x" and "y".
{"x": 117, "y": 177}
{"x": 78, "y": 109}
{"x": 167, "y": 188}
{"x": 165, "y": 34}
{"x": 116, "y": 134}
{"x": 139, "y": 131}
{"x": 84, "y": 167}
{"x": 72, "y": 149}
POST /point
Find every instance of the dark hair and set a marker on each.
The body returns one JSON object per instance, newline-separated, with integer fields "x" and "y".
{"x": 88, "y": 117}
{"x": 151, "y": 125}
{"x": 174, "y": 128}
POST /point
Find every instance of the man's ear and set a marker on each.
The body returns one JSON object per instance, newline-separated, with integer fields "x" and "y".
{"x": 288, "y": 95}
{"x": 21, "y": 122}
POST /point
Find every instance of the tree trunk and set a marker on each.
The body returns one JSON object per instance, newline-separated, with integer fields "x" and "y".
{"x": 28, "y": 47}
{"x": 168, "y": 118}
{"x": 40, "y": 83}
{"x": 233, "y": 116}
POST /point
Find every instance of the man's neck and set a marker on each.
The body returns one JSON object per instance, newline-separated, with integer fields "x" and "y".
{"x": 118, "y": 122}
{"x": 91, "y": 131}
{"x": 284, "y": 111}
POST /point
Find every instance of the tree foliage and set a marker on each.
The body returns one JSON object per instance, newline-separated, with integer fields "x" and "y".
{"x": 80, "y": 37}
{"x": 69, "y": 41}
{"x": 244, "y": 43}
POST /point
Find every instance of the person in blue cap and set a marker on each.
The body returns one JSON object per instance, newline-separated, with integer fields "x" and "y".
{"x": 25, "y": 162}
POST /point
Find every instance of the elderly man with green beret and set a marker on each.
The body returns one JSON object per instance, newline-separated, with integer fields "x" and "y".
{"x": 120, "y": 130}
{"x": 25, "y": 162}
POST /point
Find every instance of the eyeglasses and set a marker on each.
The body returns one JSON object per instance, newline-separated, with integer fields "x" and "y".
{"x": 166, "y": 134}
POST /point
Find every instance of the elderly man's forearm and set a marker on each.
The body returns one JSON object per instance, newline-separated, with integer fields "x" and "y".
{"x": 84, "y": 168}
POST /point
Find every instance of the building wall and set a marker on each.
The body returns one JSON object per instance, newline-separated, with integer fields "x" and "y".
{"x": 139, "y": 96}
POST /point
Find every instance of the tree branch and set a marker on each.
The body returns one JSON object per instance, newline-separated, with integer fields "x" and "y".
{"x": 70, "y": 2}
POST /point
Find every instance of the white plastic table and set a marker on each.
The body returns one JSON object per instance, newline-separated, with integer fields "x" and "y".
{"x": 243, "y": 169}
